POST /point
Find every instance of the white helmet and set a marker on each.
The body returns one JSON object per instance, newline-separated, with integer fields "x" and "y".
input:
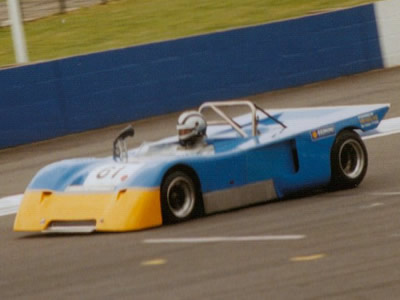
{"x": 191, "y": 124}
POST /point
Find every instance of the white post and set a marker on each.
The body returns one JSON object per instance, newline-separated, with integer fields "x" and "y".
{"x": 17, "y": 29}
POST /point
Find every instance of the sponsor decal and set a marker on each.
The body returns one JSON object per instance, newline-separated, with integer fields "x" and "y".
{"x": 323, "y": 132}
{"x": 369, "y": 119}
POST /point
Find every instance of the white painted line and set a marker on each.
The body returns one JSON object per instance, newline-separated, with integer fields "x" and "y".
{"x": 386, "y": 194}
{"x": 372, "y": 205}
{"x": 9, "y": 205}
{"x": 377, "y": 135}
{"x": 224, "y": 239}
{"x": 385, "y": 128}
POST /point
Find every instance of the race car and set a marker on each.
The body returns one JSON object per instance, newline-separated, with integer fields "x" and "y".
{"x": 215, "y": 163}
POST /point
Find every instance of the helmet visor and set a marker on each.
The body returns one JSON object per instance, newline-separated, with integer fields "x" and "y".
{"x": 184, "y": 131}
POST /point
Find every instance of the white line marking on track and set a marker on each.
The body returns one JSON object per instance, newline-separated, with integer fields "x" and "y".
{"x": 369, "y": 137}
{"x": 386, "y": 194}
{"x": 217, "y": 239}
{"x": 9, "y": 205}
{"x": 372, "y": 205}
{"x": 385, "y": 128}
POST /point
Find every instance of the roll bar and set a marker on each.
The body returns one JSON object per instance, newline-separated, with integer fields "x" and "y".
{"x": 215, "y": 106}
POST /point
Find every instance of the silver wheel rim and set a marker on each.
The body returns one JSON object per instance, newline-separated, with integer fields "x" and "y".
{"x": 351, "y": 158}
{"x": 181, "y": 197}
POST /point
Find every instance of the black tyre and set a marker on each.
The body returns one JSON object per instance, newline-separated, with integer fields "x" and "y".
{"x": 349, "y": 160}
{"x": 180, "y": 198}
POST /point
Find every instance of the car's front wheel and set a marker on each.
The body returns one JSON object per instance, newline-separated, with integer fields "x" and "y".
{"x": 349, "y": 160}
{"x": 179, "y": 197}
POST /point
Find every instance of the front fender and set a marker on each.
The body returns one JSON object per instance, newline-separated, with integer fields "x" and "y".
{"x": 150, "y": 175}
{"x": 57, "y": 176}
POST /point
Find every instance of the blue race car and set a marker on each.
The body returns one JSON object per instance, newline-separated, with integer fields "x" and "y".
{"x": 216, "y": 163}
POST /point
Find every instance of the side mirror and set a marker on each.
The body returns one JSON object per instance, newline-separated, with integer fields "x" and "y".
{"x": 120, "y": 151}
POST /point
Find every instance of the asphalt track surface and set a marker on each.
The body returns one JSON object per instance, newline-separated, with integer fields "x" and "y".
{"x": 348, "y": 245}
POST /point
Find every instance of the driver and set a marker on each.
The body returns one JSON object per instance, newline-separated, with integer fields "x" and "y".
{"x": 191, "y": 128}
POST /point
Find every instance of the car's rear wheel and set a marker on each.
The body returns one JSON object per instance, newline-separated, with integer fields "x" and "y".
{"x": 179, "y": 197}
{"x": 349, "y": 160}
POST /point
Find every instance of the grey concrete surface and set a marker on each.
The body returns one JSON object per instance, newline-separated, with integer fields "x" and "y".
{"x": 350, "y": 249}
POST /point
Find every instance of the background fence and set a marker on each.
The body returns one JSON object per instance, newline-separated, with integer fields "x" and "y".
{"x": 36, "y": 9}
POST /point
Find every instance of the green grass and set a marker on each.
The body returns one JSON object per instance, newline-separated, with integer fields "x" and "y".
{"x": 122, "y": 23}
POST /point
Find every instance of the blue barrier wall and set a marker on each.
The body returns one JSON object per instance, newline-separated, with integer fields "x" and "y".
{"x": 91, "y": 91}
